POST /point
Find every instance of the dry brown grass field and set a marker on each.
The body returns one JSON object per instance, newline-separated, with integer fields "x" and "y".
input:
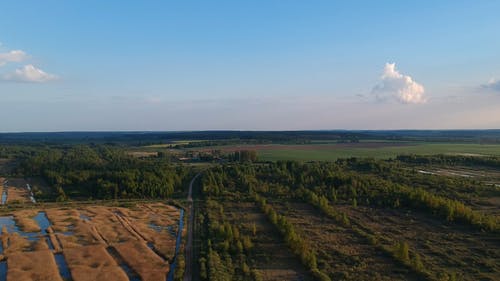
{"x": 96, "y": 242}
{"x": 37, "y": 265}
{"x": 93, "y": 263}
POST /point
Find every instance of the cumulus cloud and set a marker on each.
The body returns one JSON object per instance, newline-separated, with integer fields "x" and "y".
{"x": 403, "y": 88}
{"x": 12, "y": 56}
{"x": 493, "y": 84}
{"x": 29, "y": 73}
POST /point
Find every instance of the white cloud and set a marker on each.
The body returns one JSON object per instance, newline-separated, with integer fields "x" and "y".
{"x": 12, "y": 56}
{"x": 398, "y": 86}
{"x": 29, "y": 73}
{"x": 493, "y": 84}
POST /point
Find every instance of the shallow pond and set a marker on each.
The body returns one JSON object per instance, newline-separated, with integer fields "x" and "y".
{"x": 3, "y": 270}
{"x": 4, "y": 195}
{"x": 85, "y": 217}
{"x": 158, "y": 228}
{"x": 43, "y": 222}
{"x": 11, "y": 226}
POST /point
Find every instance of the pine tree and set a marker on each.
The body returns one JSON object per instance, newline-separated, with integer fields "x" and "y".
{"x": 417, "y": 262}
{"x": 402, "y": 251}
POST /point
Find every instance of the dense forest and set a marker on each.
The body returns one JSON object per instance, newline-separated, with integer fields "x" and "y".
{"x": 102, "y": 172}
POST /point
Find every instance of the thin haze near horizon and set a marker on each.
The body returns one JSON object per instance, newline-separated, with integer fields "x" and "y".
{"x": 249, "y": 65}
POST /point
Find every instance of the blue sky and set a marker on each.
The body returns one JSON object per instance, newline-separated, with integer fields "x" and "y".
{"x": 258, "y": 65}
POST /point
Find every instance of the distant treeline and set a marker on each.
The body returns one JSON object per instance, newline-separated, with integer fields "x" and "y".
{"x": 493, "y": 162}
{"x": 231, "y": 137}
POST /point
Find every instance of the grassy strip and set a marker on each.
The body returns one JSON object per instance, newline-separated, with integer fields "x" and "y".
{"x": 296, "y": 243}
{"x": 450, "y": 209}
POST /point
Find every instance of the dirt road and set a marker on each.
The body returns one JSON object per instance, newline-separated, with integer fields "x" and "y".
{"x": 188, "y": 274}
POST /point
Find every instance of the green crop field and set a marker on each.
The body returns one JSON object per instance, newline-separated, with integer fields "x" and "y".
{"x": 323, "y": 153}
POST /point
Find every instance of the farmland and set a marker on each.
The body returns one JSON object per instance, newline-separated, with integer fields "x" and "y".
{"x": 379, "y": 150}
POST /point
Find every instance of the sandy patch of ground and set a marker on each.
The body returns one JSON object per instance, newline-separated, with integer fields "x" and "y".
{"x": 18, "y": 195}
{"x": 142, "y": 154}
{"x": 17, "y": 191}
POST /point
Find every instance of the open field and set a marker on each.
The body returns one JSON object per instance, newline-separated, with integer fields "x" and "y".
{"x": 371, "y": 149}
{"x": 90, "y": 243}
{"x": 329, "y": 152}
{"x": 172, "y": 143}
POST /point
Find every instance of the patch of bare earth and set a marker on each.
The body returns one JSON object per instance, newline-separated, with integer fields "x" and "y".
{"x": 142, "y": 154}
{"x": 17, "y": 191}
